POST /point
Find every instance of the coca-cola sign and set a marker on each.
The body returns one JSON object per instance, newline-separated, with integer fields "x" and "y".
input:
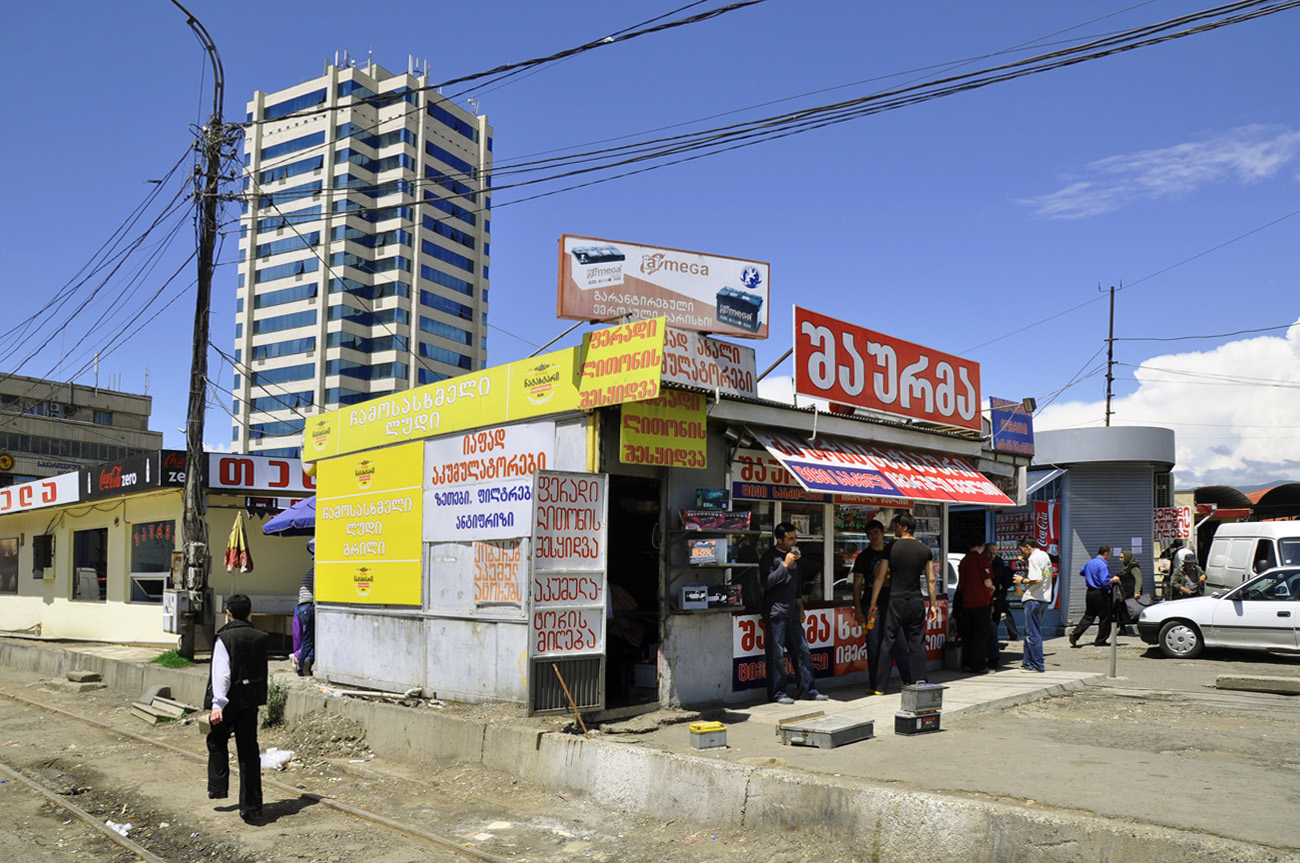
{"x": 850, "y": 365}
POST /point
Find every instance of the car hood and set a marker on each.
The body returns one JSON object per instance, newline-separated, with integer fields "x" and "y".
{"x": 1195, "y": 606}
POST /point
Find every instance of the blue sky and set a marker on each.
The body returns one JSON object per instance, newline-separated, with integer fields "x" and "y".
{"x": 981, "y": 224}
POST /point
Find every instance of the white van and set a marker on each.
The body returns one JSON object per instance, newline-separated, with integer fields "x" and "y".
{"x": 1245, "y": 549}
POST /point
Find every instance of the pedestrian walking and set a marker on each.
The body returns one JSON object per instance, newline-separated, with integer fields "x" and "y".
{"x": 237, "y": 685}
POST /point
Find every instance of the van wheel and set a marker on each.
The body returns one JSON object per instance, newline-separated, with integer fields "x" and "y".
{"x": 1180, "y": 640}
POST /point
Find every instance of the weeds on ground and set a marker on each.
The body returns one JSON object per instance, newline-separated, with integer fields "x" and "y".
{"x": 172, "y": 659}
{"x": 276, "y": 693}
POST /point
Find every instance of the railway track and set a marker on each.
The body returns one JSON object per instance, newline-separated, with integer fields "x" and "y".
{"x": 179, "y": 777}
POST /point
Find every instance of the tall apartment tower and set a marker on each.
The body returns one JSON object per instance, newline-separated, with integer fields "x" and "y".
{"x": 363, "y": 249}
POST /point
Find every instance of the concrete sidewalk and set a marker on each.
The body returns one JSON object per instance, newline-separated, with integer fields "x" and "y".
{"x": 990, "y": 787}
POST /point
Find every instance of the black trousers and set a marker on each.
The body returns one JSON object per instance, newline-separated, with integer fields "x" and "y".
{"x": 905, "y": 617}
{"x": 974, "y": 627}
{"x": 1096, "y": 607}
{"x": 242, "y": 722}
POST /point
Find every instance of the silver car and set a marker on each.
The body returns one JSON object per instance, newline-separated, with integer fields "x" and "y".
{"x": 1260, "y": 614}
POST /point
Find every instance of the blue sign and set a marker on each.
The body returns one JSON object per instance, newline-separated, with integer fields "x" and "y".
{"x": 1013, "y": 427}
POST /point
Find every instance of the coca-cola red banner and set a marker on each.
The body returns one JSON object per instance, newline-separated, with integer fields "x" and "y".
{"x": 1047, "y": 526}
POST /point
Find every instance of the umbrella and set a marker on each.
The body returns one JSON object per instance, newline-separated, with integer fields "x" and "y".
{"x": 297, "y": 520}
{"x": 237, "y": 553}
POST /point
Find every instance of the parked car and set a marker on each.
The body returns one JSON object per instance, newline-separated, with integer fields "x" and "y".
{"x": 1260, "y": 614}
{"x": 1240, "y": 551}
{"x": 951, "y": 570}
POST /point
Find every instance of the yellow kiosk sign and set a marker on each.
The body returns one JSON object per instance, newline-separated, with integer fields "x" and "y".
{"x": 615, "y": 365}
{"x": 369, "y": 513}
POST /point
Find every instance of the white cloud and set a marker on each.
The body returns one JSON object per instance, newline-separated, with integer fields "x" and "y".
{"x": 1235, "y": 410}
{"x": 1249, "y": 154}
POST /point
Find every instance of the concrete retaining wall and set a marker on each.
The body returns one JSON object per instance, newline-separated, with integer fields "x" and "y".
{"x": 886, "y": 823}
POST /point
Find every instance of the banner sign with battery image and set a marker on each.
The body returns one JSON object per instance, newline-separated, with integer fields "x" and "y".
{"x": 606, "y": 280}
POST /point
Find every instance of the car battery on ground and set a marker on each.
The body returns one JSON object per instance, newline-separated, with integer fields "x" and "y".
{"x": 922, "y": 698}
{"x": 708, "y": 735}
{"x": 824, "y": 732}
{"x": 915, "y": 723}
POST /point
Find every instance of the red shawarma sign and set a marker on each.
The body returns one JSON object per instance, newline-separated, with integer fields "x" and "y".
{"x": 848, "y": 364}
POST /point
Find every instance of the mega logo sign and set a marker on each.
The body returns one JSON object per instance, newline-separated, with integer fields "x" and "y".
{"x": 851, "y": 365}
{"x": 602, "y": 280}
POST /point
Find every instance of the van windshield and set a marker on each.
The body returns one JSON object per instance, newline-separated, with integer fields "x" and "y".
{"x": 1289, "y": 550}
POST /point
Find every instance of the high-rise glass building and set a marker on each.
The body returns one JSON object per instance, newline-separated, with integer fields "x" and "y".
{"x": 363, "y": 248}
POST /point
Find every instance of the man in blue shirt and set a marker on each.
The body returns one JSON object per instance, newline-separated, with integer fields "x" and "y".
{"x": 1096, "y": 573}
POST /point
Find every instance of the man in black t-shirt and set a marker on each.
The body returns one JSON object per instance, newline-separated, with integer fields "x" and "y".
{"x": 909, "y": 560}
{"x": 864, "y": 576}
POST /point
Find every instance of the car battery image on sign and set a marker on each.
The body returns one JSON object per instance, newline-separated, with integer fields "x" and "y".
{"x": 598, "y": 266}
{"x": 738, "y": 308}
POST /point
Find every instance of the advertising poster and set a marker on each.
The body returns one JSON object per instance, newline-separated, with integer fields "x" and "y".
{"x": 669, "y": 431}
{"x": 499, "y": 568}
{"x": 693, "y": 360}
{"x": 602, "y": 280}
{"x": 1171, "y": 523}
{"x": 615, "y": 365}
{"x": 39, "y": 493}
{"x": 566, "y": 591}
{"x": 622, "y": 364}
{"x": 847, "y": 364}
{"x": 257, "y": 473}
{"x": 1012, "y": 427}
{"x": 479, "y": 486}
{"x": 368, "y": 525}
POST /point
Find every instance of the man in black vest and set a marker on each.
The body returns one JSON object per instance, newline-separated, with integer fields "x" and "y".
{"x": 236, "y": 687}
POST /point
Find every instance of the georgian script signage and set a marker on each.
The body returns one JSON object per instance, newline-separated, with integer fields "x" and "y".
{"x": 1171, "y": 523}
{"x": 40, "y": 493}
{"x": 844, "y": 466}
{"x": 693, "y": 360}
{"x": 566, "y": 591}
{"x": 479, "y": 486}
{"x": 847, "y": 364}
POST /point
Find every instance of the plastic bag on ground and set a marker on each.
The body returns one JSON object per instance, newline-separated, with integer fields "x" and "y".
{"x": 275, "y": 759}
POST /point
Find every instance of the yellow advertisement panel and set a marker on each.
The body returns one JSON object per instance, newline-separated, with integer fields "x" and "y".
{"x": 542, "y": 385}
{"x": 622, "y": 364}
{"x": 668, "y": 431}
{"x": 615, "y": 365}
{"x": 369, "y": 513}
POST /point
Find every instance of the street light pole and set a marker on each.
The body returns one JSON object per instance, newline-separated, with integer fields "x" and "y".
{"x": 196, "y": 560}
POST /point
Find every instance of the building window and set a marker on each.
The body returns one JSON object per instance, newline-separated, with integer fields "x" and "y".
{"x": 291, "y": 106}
{"x": 152, "y": 544}
{"x": 103, "y": 418}
{"x": 447, "y": 331}
{"x": 1164, "y": 490}
{"x": 9, "y": 565}
{"x": 90, "y": 565}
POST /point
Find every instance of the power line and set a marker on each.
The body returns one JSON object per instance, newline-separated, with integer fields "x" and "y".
{"x": 1202, "y": 338}
{"x": 536, "y": 61}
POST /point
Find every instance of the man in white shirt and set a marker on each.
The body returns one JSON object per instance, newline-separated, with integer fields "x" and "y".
{"x": 236, "y": 688}
{"x": 1037, "y": 582}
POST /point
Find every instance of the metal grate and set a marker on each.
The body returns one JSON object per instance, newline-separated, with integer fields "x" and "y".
{"x": 584, "y": 675}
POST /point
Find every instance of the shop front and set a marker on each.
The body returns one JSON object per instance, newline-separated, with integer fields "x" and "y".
{"x": 93, "y": 551}
{"x": 578, "y": 529}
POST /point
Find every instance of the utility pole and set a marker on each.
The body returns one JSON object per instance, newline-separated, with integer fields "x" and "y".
{"x": 1110, "y": 355}
{"x": 196, "y": 560}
